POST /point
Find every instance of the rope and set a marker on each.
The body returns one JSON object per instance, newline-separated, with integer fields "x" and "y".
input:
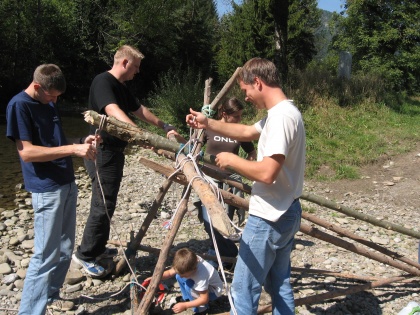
{"x": 215, "y": 188}
{"x": 192, "y": 144}
{"x": 208, "y": 111}
{"x": 97, "y": 131}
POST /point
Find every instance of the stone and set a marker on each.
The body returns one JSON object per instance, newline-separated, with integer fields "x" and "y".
{"x": 5, "y": 269}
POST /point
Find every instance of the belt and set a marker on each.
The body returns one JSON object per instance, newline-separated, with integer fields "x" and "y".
{"x": 111, "y": 148}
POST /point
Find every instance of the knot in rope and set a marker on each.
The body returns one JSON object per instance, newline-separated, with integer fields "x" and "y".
{"x": 208, "y": 111}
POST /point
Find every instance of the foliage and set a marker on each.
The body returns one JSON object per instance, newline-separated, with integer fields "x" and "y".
{"x": 384, "y": 38}
{"x": 81, "y": 36}
{"x": 341, "y": 139}
{"x": 179, "y": 91}
{"x": 316, "y": 84}
{"x": 252, "y": 30}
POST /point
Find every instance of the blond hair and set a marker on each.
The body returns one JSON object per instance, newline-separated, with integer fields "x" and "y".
{"x": 127, "y": 52}
{"x": 185, "y": 260}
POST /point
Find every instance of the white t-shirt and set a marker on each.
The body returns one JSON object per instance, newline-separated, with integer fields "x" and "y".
{"x": 282, "y": 132}
{"x": 206, "y": 278}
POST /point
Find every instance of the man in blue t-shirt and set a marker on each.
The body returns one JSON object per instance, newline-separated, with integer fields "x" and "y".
{"x": 45, "y": 154}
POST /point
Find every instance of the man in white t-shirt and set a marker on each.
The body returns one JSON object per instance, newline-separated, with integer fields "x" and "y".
{"x": 274, "y": 208}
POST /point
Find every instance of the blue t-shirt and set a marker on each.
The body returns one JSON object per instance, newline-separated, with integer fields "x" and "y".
{"x": 30, "y": 120}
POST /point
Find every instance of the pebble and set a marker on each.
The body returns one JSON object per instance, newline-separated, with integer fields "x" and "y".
{"x": 17, "y": 242}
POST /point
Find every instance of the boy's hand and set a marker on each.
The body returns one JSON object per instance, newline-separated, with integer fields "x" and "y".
{"x": 179, "y": 307}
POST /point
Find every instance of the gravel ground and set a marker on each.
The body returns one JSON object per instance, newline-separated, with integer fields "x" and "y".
{"x": 387, "y": 190}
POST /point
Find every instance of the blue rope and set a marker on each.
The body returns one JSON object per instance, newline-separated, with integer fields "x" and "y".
{"x": 208, "y": 111}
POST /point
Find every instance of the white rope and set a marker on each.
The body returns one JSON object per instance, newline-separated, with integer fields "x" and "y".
{"x": 101, "y": 125}
{"x": 179, "y": 163}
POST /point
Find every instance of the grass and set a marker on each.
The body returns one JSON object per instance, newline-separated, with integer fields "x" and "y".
{"x": 342, "y": 139}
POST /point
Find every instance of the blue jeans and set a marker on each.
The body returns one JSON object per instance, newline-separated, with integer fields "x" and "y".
{"x": 97, "y": 229}
{"x": 54, "y": 225}
{"x": 188, "y": 294}
{"x": 264, "y": 259}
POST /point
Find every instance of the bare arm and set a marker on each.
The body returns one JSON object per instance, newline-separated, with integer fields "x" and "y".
{"x": 236, "y": 131}
{"x": 117, "y": 112}
{"x": 202, "y": 299}
{"x": 35, "y": 153}
{"x": 167, "y": 274}
{"x": 147, "y": 116}
{"x": 264, "y": 171}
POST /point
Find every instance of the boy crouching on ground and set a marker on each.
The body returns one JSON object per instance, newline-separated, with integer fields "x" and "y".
{"x": 198, "y": 280}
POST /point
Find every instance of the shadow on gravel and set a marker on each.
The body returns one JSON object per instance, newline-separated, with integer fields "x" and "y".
{"x": 357, "y": 304}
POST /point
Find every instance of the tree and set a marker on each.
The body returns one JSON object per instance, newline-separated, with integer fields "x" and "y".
{"x": 384, "y": 38}
{"x": 279, "y": 30}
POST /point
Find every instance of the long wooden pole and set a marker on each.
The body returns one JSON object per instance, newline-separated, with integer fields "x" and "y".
{"x": 134, "y": 244}
{"x": 361, "y": 216}
{"x": 357, "y": 238}
{"x": 307, "y": 229}
{"x": 263, "y": 309}
{"x": 160, "y": 265}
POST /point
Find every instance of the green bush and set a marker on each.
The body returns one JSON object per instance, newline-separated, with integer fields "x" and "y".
{"x": 177, "y": 92}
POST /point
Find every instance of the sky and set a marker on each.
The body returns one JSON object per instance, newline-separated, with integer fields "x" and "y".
{"x": 223, "y": 6}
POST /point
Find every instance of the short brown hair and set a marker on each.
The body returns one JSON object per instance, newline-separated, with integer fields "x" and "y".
{"x": 261, "y": 68}
{"x": 50, "y": 77}
{"x": 185, "y": 260}
{"x": 128, "y": 52}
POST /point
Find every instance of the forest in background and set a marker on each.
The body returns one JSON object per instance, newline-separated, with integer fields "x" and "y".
{"x": 349, "y": 122}
{"x": 185, "y": 42}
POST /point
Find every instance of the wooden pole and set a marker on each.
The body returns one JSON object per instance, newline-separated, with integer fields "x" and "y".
{"x": 160, "y": 265}
{"x": 329, "y": 295}
{"x": 361, "y": 216}
{"x": 228, "y": 197}
{"x": 357, "y": 238}
{"x": 307, "y": 229}
{"x": 134, "y": 244}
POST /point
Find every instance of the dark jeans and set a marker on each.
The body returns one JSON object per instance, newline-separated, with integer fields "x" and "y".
{"x": 226, "y": 246}
{"x": 97, "y": 229}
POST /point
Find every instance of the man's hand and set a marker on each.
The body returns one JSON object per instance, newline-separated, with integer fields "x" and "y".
{"x": 85, "y": 150}
{"x": 196, "y": 120}
{"x": 173, "y": 134}
{"x": 93, "y": 139}
{"x": 224, "y": 159}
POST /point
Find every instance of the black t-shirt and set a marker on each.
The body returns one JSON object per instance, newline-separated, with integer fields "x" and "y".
{"x": 217, "y": 143}
{"x": 105, "y": 90}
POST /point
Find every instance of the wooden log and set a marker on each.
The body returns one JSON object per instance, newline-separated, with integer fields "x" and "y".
{"x": 160, "y": 265}
{"x": 359, "y": 239}
{"x": 134, "y": 244}
{"x": 314, "y": 299}
{"x": 139, "y": 136}
{"x": 307, "y": 229}
{"x": 361, "y": 216}
{"x": 133, "y": 134}
{"x": 228, "y": 197}
{"x": 226, "y": 88}
{"x": 212, "y": 173}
